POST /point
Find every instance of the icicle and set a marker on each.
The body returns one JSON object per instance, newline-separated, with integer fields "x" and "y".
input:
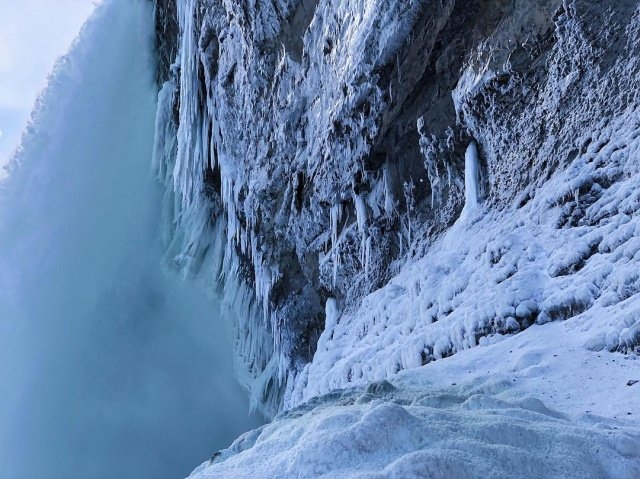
{"x": 335, "y": 214}
{"x": 471, "y": 180}
{"x": 165, "y": 131}
{"x": 367, "y": 256}
{"x": 332, "y": 313}
{"x": 361, "y": 218}
{"x": 471, "y": 176}
{"x": 206, "y": 250}
{"x": 389, "y": 207}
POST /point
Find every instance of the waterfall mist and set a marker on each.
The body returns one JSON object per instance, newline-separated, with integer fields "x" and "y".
{"x": 110, "y": 366}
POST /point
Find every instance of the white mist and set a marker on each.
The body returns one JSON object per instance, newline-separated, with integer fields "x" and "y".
{"x": 109, "y": 365}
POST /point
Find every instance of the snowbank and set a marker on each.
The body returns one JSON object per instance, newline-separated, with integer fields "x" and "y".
{"x": 430, "y": 431}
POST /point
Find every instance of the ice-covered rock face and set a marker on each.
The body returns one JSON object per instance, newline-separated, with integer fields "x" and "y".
{"x": 311, "y": 147}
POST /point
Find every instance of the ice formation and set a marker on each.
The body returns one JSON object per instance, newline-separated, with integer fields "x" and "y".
{"x": 393, "y": 184}
{"x": 471, "y": 178}
{"x": 322, "y": 150}
{"x": 422, "y": 218}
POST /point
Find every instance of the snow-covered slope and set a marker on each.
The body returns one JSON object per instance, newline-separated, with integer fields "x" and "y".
{"x": 572, "y": 252}
{"x": 476, "y": 414}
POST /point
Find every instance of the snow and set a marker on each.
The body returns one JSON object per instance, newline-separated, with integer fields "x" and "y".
{"x": 532, "y": 405}
{"x": 548, "y": 362}
{"x": 528, "y": 301}
{"x": 498, "y": 272}
{"x": 301, "y": 114}
{"x": 547, "y": 243}
{"x": 549, "y": 384}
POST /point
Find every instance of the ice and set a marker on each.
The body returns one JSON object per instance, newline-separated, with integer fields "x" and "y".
{"x": 471, "y": 177}
{"x": 499, "y": 272}
{"x": 521, "y": 266}
{"x": 204, "y": 231}
{"x": 284, "y": 161}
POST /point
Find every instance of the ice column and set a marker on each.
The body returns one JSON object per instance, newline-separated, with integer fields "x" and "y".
{"x": 471, "y": 177}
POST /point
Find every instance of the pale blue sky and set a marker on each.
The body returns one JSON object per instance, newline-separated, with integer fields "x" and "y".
{"x": 33, "y": 34}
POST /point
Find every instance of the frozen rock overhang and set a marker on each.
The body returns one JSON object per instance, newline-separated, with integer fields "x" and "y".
{"x": 315, "y": 151}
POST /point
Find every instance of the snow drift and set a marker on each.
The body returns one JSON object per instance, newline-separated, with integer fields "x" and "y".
{"x": 385, "y": 432}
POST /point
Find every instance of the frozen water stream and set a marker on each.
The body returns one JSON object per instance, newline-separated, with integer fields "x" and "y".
{"x": 109, "y": 365}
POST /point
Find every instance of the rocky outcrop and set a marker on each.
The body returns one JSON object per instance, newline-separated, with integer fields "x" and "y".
{"x": 311, "y": 147}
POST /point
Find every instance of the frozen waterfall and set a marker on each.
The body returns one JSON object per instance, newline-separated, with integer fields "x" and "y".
{"x": 110, "y": 366}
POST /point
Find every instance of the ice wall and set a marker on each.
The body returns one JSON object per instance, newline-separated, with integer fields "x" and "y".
{"x": 110, "y": 365}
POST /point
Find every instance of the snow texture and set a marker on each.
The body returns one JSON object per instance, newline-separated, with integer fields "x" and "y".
{"x": 437, "y": 435}
{"x": 397, "y": 187}
{"x": 419, "y": 428}
{"x": 318, "y": 157}
{"x": 500, "y": 272}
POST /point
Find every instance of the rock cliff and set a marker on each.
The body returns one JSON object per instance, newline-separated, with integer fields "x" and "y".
{"x": 314, "y": 158}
